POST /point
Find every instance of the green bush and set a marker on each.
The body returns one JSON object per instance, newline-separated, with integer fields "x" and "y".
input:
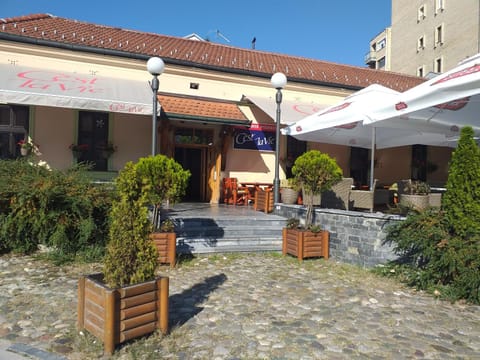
{"x": 432, "y": 258}
{"x": 418, "y": 242}
{"x": 131, "y": 256}
{"x": 61, "y": 210}
{"x": 440, "y": 250}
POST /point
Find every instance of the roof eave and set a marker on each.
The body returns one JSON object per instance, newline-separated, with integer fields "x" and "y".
{"x": 139, "y": 56}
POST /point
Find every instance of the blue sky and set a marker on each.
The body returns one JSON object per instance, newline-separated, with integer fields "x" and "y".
{"x": 337, "y": 31}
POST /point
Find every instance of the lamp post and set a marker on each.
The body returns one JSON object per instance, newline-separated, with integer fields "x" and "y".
{"x": 278, "y": 80}
{"x": 155, "y": 66}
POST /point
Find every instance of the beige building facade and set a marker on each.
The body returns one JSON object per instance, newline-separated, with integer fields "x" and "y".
{"x": 430, "y": 36}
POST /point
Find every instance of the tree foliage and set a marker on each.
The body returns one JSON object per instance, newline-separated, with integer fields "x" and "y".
{"x": 166, "y": 178}
{"x": 461, "y": 201}
{"x": 315, "y": 172}
{"x": 131, "y": 256}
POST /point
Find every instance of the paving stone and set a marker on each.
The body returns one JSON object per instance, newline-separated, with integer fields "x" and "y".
{"x": 250, "y": 306}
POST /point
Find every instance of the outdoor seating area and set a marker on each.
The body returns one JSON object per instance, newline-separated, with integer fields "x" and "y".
{"x": 343, "y": 195}
{"x": 258, "y": 194}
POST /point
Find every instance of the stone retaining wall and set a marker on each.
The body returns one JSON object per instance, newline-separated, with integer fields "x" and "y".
{"x": 355, "y": 237}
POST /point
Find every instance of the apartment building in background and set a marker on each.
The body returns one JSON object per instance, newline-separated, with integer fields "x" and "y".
{"x": 378, "y": 57}
{"x": 427, "y": 36}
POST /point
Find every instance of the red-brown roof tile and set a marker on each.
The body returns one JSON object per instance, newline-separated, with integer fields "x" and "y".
{"x": 198, "y": 53}
{"x": 178, "y": 106}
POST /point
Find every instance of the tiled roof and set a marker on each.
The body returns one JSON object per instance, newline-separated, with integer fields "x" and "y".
{"x": 214, "y": 110}
{"x": 82, "y": 35}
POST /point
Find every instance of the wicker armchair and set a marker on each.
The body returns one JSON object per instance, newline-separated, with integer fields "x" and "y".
{"x": 363, "y": 199}
{"x": 338, "y": 197}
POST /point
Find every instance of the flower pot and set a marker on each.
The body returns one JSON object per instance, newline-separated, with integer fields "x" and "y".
{"x": 117, "y": 315}
{"x": 417, "y": 202}
{"x": 305, "y": 243}
{"x": 289, "y": 195}
{"x": 166, "y": 243}
{"x": 24, "y": 151}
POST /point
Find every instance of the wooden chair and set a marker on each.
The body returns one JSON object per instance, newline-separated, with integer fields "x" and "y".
{"x": 363, "y": 199}
{"x": 234, "y": 194}
{"x": 338, "y": 197}
{"x": 264, "y": 200}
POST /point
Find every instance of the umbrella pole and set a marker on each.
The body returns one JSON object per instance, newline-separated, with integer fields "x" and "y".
{"x": 372, "y": 158}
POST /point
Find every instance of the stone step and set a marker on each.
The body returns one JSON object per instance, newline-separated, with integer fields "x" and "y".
{"x": 228, "y": 232}
{"x": 251, "y": 232}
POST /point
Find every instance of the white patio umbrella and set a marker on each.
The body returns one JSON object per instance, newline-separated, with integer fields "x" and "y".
{"x": 351, "y": 123}
{"x": 442, "y": 104}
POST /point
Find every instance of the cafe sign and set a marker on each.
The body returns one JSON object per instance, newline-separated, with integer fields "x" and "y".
{"x": 257, "y": 137}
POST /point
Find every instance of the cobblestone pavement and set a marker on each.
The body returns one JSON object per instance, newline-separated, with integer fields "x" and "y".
{"x": 248, "y": 306}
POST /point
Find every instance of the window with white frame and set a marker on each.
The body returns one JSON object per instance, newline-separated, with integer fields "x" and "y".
{"x": 421, "y": 43}
{"x": 438, "y": 65}
{"x": 422, "y": 13}
{"x": 439, "y": 34}
{"x": 439, "y": 6}
{"x": 382, "y": 43}
{"x": 421, "y": 71}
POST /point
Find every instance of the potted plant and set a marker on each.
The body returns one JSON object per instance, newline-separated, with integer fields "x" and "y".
{"x": 127, "y": 300}
{"x": 26, "y": 147}
{"x": 78, "y": 149}
{"x": 305, "y": 243}
{"x": 107, "y": 150}
{"x": 315, "y": 172}
{"x": 415, "y": 195}
{"x": 167, "y": 183}
{"x": 288, "y": 191}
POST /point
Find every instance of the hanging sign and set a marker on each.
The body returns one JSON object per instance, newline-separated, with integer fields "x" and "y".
{"x": 255, "y": 138}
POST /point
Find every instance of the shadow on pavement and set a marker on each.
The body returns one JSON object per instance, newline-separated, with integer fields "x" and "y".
{"x": 186, "y": 305}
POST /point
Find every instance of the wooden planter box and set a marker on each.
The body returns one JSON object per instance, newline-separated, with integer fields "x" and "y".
{"x": 264, "y": 200}
{"x": 305, "y": 244}
{"x": 166, "y": 244}
{"x": 117, "y": 315}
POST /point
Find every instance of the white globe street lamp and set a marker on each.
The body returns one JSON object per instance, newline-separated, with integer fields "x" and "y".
{"x": 278, "y": 80}
{"x": 155, "y": 66}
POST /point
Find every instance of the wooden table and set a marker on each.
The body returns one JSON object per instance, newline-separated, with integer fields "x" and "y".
{"x": 255, "y": 186}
